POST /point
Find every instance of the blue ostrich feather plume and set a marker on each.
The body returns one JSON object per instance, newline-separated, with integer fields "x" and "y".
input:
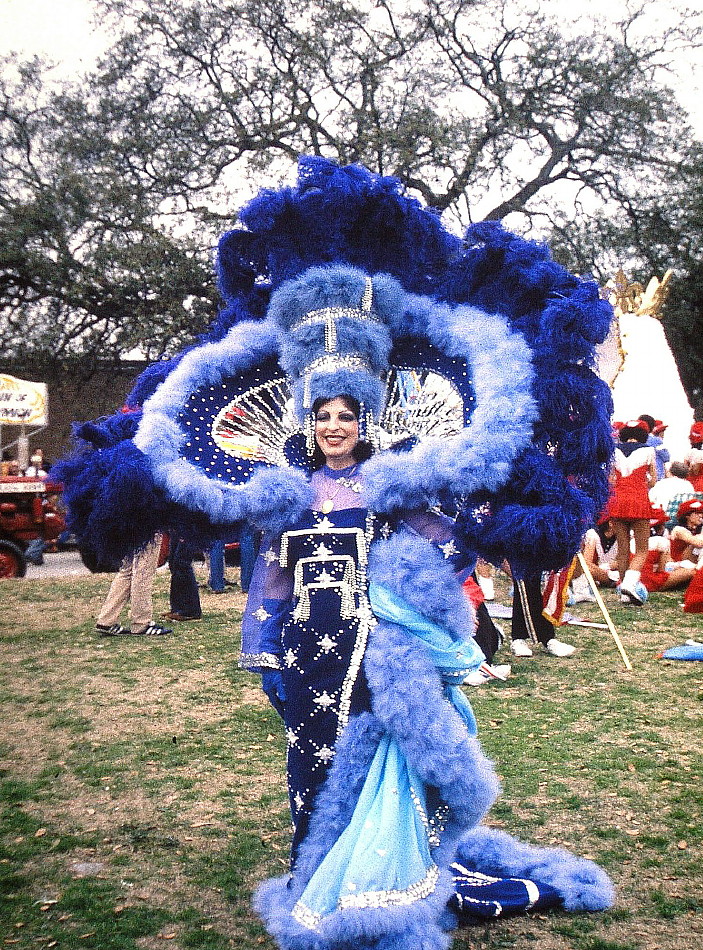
{"x": 332, "y": 214}
{"x": 113, "y": 506}
{"x": 148, "y": 381}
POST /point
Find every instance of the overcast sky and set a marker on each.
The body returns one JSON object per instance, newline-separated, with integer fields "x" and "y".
{"x": 62, "y": 30}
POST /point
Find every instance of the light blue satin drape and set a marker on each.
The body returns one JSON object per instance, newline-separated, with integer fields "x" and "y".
{"x": 383, "y": 858}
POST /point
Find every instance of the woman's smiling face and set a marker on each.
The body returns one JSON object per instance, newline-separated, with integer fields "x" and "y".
{"x": 337, "y": 432}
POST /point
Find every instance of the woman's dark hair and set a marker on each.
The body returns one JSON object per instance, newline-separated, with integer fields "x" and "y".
{"x": 683, "y": 521}
{"x": 605, "y": 533}
{"x": 638, "y": 433}
{"x": 362, "y": 450}
{"x": 679, "y": 469}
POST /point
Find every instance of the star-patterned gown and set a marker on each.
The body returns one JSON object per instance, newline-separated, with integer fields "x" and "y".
{"x": 323, "y": 645}
{"x": 308, "y": 615}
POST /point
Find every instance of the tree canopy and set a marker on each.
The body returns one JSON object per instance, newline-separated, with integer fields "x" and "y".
{"x": 115, "y": 188}
{"x": 88, "y": 266}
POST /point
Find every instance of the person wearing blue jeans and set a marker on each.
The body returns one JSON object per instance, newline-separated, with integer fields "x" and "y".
{"x": 216, "y": 570}
{"x": 249, "y": 541}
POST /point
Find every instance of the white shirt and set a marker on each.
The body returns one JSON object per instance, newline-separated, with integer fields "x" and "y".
{"x": 668, "y": 488}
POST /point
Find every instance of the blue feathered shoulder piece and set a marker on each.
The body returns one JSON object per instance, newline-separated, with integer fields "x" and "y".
{"x": 484, "y": 347}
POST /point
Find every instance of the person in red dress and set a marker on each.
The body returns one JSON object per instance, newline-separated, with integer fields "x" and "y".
{"x": 629, "y": 508}
{"x": 661, "y": 570}
{"x": 695, "y": 456}
{"x": 686, "y": 536}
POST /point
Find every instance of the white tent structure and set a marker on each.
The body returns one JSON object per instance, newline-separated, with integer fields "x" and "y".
{"x": 638, "y": 365}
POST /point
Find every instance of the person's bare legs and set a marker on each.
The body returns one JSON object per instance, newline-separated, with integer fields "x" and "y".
{"x": 621, "y": 529}
{"x": 640, "y": 530}
{"x": 631, "y": 578}
{"x": 679, "y": 577}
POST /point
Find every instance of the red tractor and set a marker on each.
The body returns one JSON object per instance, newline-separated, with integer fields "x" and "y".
{"x": 30, "y": 522}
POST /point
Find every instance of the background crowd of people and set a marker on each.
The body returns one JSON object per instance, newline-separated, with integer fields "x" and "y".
{"x": 649, "y": 536}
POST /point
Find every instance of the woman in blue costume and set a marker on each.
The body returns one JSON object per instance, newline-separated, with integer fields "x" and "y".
{"x": 471, "y": 379}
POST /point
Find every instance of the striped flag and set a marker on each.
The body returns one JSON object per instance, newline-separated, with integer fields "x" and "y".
{"x": 556, "y": 593}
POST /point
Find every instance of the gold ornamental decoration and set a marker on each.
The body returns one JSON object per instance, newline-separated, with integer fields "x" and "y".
{"x": 630, "y": 297}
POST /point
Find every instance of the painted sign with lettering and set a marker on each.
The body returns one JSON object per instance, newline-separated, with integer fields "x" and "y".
{"x": 22, "y": 402}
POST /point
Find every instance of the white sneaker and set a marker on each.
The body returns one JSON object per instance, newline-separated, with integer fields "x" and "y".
{"x": 485, "y": 673}
{"x": 477, "y": 678}
{"x": 631, "y": 596}
{"x": 558, "y": 648}
{"x": 500, "y": 672}
{"x": 520, "y": 648}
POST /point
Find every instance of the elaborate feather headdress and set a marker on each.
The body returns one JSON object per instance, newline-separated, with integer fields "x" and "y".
{"x": 476, "y": 355}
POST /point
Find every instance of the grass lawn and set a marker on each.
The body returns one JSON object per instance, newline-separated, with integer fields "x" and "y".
{"x": 143, "y": 792}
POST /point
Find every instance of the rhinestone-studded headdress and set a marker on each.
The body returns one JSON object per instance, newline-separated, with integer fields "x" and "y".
{"x": 336, "y": 342}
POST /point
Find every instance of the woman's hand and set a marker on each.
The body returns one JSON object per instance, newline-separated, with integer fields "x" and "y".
{"x": 272, "y": 685}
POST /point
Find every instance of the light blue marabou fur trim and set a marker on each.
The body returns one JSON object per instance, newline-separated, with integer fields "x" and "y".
{"x": 273, "y": 497}
{"x": 581, "y": 884}
{"x": 413, "y": 569}
{"x": 409, "y": 701}
{"x": 334, "y": 286}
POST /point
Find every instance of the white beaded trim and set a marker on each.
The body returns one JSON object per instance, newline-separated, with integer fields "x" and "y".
{"x": 393, "y": 898}
{"x": 389, "y": 898}
{"x": 269, "y": 660}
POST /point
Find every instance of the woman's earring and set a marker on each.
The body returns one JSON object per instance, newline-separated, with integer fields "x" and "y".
{"x": 363, "y": 422}
{"x": 309, "y": 429}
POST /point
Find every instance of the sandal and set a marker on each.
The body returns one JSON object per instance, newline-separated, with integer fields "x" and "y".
{"x": 116, "y": 630}
{"x": 153, "y": 630}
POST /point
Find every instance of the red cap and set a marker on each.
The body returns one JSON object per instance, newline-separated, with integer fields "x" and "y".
{"x": 696, "y": 433}
{"x": 659, "y": 427}
{"x": 686, "y": 507}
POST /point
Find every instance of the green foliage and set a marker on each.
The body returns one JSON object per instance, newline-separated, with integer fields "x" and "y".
{"x": 88, "y": 254}
{"x": 115, "y": 188}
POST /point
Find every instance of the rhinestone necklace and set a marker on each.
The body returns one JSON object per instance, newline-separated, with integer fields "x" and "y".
{"x": 341, "y": 482}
